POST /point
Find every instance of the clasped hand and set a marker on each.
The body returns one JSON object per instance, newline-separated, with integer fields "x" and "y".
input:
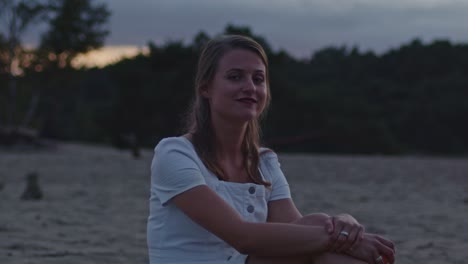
{"x": 347, "y": 236}
{"x": 345, "y": 232}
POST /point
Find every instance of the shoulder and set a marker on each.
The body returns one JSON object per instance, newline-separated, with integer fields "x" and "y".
{"x": 176, "y": 150}
{"x": 173, "y": 143}
{"x": 270, "y": 166}
{"x": 173, "y": 154}
{"x": 269, "y": 163}
{"x": 267, "y": 154}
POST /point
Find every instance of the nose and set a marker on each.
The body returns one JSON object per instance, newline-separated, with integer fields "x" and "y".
{"x": 249, "y": 86}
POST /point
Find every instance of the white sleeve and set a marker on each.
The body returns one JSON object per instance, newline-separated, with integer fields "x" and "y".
{"x": 174, "y": 169}
{"x": 279, "y": 184}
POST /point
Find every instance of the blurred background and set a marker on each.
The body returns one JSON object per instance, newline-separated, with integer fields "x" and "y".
{"x": 369, "y": 116}
{"x": 346, "y": 77}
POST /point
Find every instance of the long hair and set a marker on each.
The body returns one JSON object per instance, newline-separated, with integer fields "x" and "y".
{"x": 199, "y": 119}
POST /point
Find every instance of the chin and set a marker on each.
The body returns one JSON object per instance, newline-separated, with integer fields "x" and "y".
{"x": 242, "y": 117}
{"x": 247, "y": 117}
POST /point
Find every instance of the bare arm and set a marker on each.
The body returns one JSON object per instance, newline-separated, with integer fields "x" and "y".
{"x": 210, "y": 211}
{"x": 283, "y": 211}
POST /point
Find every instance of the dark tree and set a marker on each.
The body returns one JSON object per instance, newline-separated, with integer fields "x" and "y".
{"x": 16, "y": 16}
{"x": 75, "y": 26}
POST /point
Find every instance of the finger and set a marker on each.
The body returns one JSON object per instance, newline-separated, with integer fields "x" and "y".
{"x": 359, "y": 237}
{"x": 336, "y": 229}
{"x": 329, "y": 226}
{"x": 386, "y": 261}
{"x": 342, "y": 238}
{"x": 349, "y": 240}
{"x": 334, "y": 238}
{"x": 334, "y": 234}
{"x": 386, "y": 251}
{"x": 386, "y": 242}
{"x": 376, "y": 259}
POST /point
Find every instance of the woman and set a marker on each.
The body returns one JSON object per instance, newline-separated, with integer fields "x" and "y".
{"x": 218, "y": 197}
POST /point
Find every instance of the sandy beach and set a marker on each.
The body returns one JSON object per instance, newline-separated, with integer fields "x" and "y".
{"x": 95, "y": 203}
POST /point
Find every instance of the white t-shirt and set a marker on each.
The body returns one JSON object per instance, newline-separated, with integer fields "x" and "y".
{"x": 172, "y": 236}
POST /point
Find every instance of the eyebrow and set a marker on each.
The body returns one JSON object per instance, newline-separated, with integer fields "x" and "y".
{"x": 242, "y": 70}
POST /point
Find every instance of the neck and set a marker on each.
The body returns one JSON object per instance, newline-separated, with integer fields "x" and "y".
{"x": 228, "y": 139}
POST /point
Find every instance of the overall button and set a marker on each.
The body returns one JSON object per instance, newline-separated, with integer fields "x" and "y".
{"x": 250, "y": 209}
{"x": 252, "y": 190}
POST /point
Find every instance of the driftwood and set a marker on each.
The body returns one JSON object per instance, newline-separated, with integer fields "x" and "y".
{"x": 131, "y": 141}
{"x": 32, "y": 191}
{"x": 20, "y": 135}
{"x": 134, "y": 146}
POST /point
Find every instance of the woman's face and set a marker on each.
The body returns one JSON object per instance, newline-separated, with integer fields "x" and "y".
{"x": 238, "y": 90}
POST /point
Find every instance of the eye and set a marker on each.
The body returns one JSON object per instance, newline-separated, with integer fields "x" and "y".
{"x": 234, "y": 77}
{"x": 259, "y": 80}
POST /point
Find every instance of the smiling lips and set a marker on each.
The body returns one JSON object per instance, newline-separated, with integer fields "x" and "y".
{"x": 247, "y": 100}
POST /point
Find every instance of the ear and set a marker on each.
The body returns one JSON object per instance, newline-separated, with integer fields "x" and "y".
{"x": 205, "y": 91}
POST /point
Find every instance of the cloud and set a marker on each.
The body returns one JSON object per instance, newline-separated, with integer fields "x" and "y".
{"x": 107, "y": 55}
{"x": 299, "y": 26}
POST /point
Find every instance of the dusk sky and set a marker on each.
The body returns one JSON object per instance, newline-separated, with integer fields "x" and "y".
{"x": 298, "y": 26}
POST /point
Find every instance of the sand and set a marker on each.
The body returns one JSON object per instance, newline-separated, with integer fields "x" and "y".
{"x": 95, "y": 203}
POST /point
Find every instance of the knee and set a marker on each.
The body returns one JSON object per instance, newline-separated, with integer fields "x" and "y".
{"x": 313, "y": 219}
{"x": 331, "y": 258}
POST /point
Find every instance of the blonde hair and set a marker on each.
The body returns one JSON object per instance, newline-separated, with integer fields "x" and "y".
{"x": 199, "y": 120}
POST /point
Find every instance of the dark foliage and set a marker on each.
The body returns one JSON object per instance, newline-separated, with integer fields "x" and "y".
{"x": 341, "y": 100}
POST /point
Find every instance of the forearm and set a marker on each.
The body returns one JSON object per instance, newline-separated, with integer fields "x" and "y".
{"x": 279, "y": 239}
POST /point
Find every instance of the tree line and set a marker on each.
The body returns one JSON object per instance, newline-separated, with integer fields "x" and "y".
{"x": 28, "y": 76}
{"x": 408, "y": 100}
